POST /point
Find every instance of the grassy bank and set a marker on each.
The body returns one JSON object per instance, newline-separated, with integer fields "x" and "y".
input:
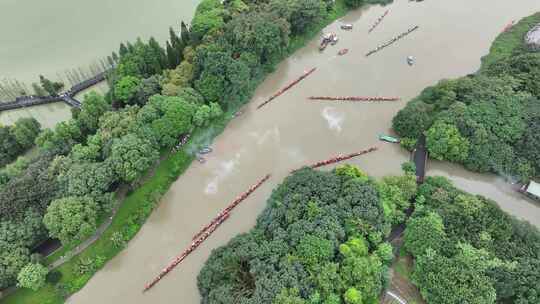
{"x": 138, "y": 205}
{"x": 510, "y": 41}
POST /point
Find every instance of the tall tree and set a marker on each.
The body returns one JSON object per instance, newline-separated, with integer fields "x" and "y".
{"x": 71, "y": 218}
{"x": 51, "y": 87}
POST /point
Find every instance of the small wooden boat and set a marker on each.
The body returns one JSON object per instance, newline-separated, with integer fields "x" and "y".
{"x": 410, "y": 60}
{"x": 347, "y": 26}
{"x": 201, "y": 159}
{"x": 328, "y": 39}
{"x": 388, "y": 138}
{"x": 343, "y": 52}
{"x": 205, "y": 150}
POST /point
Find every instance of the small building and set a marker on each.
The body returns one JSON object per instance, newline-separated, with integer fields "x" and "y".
{"x": 532, "y": 39}
{"x": 532, "y": 189}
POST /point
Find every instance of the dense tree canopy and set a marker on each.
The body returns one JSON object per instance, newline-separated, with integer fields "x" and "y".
{"x": 487, "y": 121}
{"x": 16, "y": 139}
{"x": 320, "y": 240}
{"x": 71, "y": 218}
{"x": 157, "y": 94}
{"x": 32, "y": 276}
{"x": 469, "y": 251}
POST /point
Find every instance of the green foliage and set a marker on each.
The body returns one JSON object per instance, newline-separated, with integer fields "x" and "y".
{"x": 445, "y": 142}
{"x": 436, "y": 276}
{"x": 353, "y": 296}
{"x": 424, "y": 233}
{"x": 131, "y": 156}
{"x": 469, "y": 251}
{"x": 51, "y": 87}
{"x": 396, "y": 193}
{"x": 354, "y": 3}
{"x": 65, "y": 135}
{"x": 38, "y": 184}
{"x": 126, "y": 89}
{"x": 32, "y": 190}
{"x": 295, "y": 245}
{"x": 93, "y": 107}
{"x": 409, "y": 167}
{"x": 385, "y": 253}
{"x": 494, "y": 111}
{"x": 508, "y": 42}
{"x": 178, "y": 78}
{"x": 32, "y": 276}
{"x": 91, "y": 179}
{"x": 414, "y": 119}
{"x": 12, "y": 259}
{"x": 289, "y": 296}
{"x": 177, "y": 117}
{"x": 408, "y": 143}
{"x": 207, "y": 20}
{"x": 71, "y": 218}
{"x": 351, "y": 171}
{"x": 25, "y": 131}
{"x": 16, "y": 139}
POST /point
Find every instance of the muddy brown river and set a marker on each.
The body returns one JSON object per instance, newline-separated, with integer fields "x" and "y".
{"x": 292, "y": 131}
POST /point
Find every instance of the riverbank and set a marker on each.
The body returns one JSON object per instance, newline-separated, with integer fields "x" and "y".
{"x": 139, "y": 204}
{"x": 291, "y": 132}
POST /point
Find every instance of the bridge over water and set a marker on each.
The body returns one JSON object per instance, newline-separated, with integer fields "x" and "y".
{"x": 67, "y": 96}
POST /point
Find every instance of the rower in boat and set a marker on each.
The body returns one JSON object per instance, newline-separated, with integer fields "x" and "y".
{"x": 410, "y": 60}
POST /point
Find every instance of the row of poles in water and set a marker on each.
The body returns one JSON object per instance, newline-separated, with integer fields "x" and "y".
{"x": 222, "y": 216}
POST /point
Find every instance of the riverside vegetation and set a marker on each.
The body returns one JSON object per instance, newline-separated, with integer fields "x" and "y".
{"x": 157, "y": 95}
{"x": 488, "y": 121}
{"x": 321, "y": 240}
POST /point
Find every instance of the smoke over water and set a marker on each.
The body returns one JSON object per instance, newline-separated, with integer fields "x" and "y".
{"x": 268, "y": 134}
{"x": 333, "y": 118}
{"x": 223, "y": 170}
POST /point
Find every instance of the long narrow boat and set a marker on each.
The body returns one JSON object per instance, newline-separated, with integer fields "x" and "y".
{"x": 377, "y": 22}
{"x": 339, "y": 158}
{"x": 185, "y": 253}
{"x": 232, "y": 205}
{"x": 285, "y": 89}
{"x": 354, "y": 98}
{"x": 391, "y": 41}
{"x": 205, "y": 232}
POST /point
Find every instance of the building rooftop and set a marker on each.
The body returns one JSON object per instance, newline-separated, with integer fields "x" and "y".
{"x": 534, "y": 189}
{"x": 532, "y": 38}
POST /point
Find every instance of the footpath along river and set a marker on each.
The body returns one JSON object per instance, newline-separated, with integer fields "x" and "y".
{"x": 292, "y": 131}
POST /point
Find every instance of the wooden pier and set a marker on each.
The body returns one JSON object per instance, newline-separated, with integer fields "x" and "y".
{"x": 67, "y": 96}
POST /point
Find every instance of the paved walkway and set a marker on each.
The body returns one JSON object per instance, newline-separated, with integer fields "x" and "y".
{"x": 99, "y": 232}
